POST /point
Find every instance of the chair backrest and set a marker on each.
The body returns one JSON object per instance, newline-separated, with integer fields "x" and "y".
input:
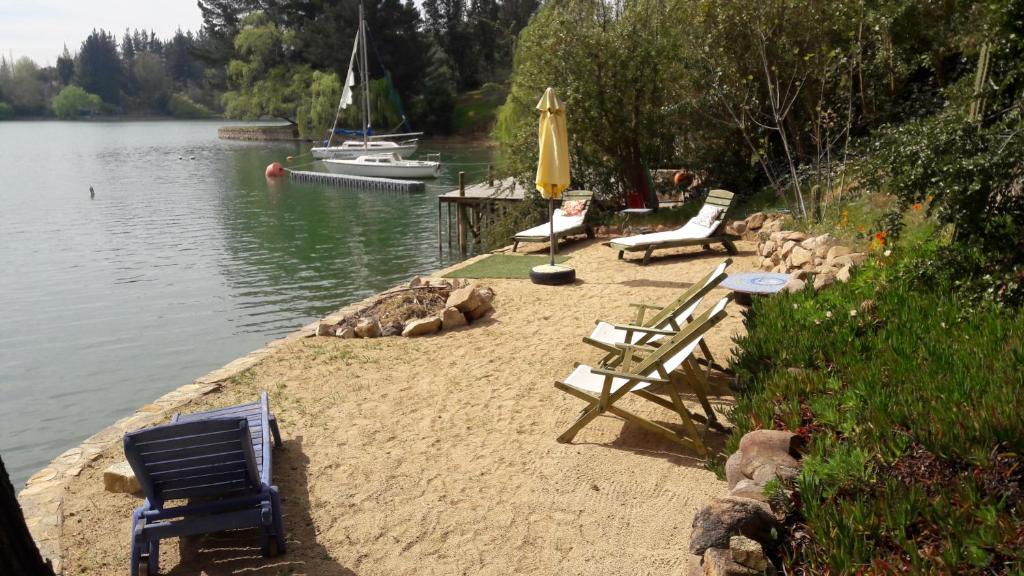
{"x": 585, "y": 195}
{"x": 722, "y": 199}
{"x": 204, "y": 458}
{"x": 680, "y": 308}
{"x": 671, "y": 352}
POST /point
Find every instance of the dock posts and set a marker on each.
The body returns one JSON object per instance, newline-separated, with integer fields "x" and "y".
{"x": 460, "y": 212}
{"x": 490, "y": 175}
{"x": 439, "y": 249}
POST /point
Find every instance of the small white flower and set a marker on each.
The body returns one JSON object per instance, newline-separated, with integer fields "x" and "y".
{"x": 887, "y": 253}
{"x": 853, "y": 313}
{"x": 828, "y": 314}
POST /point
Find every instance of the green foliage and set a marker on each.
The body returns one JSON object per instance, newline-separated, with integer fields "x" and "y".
{"x": 181, "y": 106}
{"x": 475, "y": 111}
{"x": 911, "y": 400}
{"x": 98, "y": 69}
{"x": 22, "y": 86}
{"x": 434, "y": 106}
{"x": 263, "y": 83}
{"x": 73, "y": 102}
{"x": 6, "y": 111}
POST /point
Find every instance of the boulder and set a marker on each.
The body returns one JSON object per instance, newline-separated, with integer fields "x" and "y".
{"x": 787, "y": 248}
{"x": 747, "y": 488}
{"x": 781, "y": 269}
{"x": 844, "y": 274}
{"x": 823, "y": 280}
{"x": 733, "y": 472}
{"x": 325, "y": 329}
{"x": 800, "y": 256}
{"x": 716, "y": 523}
{"x": 777, "y": 237}
{"x": 487, "y": 295}
{"x": 465, "y": 299}
{"x": 767, "y": 264}
{"x": 767, "y": 247}
{"x": 480, "y": 312}
{"x": 346, "y": 332}
{"x": 756, "y": 220}
{"x": 121, "y": 479}
{"x": 837, "y": 251}
{"x": 794, "y": 235}
{"x": 770, "y": 455}
{"x": 749, "y": 553}
{"x": 417, "y": 282}
{"x": 452, "y": 318}
{"x": 773, "y": 226}
{"x": 739, "y": 227}
{"x": 368, "y": 328}
{"x": 393, "y": 329}
{"x": 719, "y": 562}
{"x": 422, "y": 326}
{"x": 795, "y": 285}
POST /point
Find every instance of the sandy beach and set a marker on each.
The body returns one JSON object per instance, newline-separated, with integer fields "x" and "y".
{"x": 437, "y": 455}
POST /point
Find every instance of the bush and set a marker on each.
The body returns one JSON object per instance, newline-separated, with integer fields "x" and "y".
{"x": 911, "y": 401}
{"x": 181, "y": 106}
{"x": 73, "y": 102}
{"x": 6, "y": 111}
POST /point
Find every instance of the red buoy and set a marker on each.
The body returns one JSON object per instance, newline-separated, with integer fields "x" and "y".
{"x": 682, "y": 179}
{"x": 275, "y": 170}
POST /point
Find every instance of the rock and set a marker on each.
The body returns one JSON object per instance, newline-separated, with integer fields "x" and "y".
{"x": 739, "y": 227}
{"x": 452, "y": 318}
{"x": 781, "y": 269}
{"x": 478, "y": 313}
{"x": 769, "y": 455}
{"x": 756, "y": 220}
{"x": 119, "y": 478}
{"x": 823, "y": 280}
{"x": 800, "y": 256}
{"x": 438, "y": 283}
{"x": 325, "y": 329}
{"x": 776, "y": 258}
{"x": 767, "y": 264}
{"x": 749, "y": 553}
{"x": 417, "y": 282}
{"x": 422, "y": 326}
{"x": 795, "y": 285}
{"x": 733, "y": 471}
{"x": 855, "y": 259}
{"x": 773, "y": 226}
{"x": 368, "y": 328}
{"x": 837, "y": 251}
{"x": 799, "y": 274}
{"x": 346, "y": 332}
{"x": 844, "y": 274}
{"x": 719, "y": 562}
{"x": 748, "y": 488}
{"x": 465, "y": 299}
{"x": 487, "y": 295}
{"x": 787, "y": 248}
{"x": 716, "y": 523}
{"x": 818, "y": 260}
{"x": 777, "y": 237}
{"x": 393, "y": 329}
{"x": 768, "y": 247}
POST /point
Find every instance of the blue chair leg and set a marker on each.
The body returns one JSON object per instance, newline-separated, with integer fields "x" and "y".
{"x": 137, "y": 545}
{"x": 275, "y": 502}
{"x": 274, "y": 431}
{"x": 153, "y": 566}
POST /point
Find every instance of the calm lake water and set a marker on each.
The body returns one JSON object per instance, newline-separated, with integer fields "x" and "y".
{"x": 175, "y": 268}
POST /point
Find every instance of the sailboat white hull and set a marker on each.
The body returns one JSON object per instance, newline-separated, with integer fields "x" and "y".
{"x": 384, "y": 166}
{"x": 354, "y": 149}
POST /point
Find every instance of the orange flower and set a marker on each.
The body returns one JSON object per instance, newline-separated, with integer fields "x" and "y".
{"x": 880, "y": 237}
{"x": 930, "y": 198}
{"x": 916, "y": 206}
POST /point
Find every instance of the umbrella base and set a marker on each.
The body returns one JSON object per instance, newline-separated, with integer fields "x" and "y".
{"x": 552, "y": 275}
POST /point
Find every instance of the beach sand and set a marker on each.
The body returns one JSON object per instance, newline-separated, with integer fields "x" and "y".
{"x": 437, "y": 455}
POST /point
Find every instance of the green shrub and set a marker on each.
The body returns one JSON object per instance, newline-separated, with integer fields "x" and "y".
{"x": 73, "y": 102}
{"x": 911, "y": 400}
{"x": 181, "y": 106}
{"x": 6, "y": 111}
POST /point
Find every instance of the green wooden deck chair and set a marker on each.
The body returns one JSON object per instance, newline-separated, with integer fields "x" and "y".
{"x": 564, "y": 225}
{"x": 671, "y": 317}
{"x": 696, "y": 232}
{"x": 601, "y": 388}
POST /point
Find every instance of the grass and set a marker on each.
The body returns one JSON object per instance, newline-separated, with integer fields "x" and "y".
{"x": 503, "y": 266}
{"x": 476, "y": 111}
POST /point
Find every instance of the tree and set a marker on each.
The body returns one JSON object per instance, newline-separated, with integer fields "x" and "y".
{"x": 127, "y": 46}
{"x": 99, "y": 67}
{"x": 434, "y": 106}
{"x": 65, "y": 67}
{"x": 152, "y": 87}
{"x": 73, "y": 102}
{"x": 25, "y": 90}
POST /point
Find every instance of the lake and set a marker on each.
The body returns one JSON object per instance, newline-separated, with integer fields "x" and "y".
{"x": 186, "y": 259}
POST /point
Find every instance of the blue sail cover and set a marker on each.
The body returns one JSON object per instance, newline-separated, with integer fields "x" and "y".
{"x": 344, "y": 132}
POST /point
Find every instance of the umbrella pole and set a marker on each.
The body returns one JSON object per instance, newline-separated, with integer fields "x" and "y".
{"x": 551, "y": 221}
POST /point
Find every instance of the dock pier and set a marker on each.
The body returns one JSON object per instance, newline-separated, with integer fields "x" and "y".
{"x": 474, "y": 206}
{"x": 362, "y": 182}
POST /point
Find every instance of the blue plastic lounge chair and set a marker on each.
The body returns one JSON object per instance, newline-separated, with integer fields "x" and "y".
{"x": 220, "y": 461}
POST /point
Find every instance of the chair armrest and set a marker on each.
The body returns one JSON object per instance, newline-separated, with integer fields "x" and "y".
{"x": 648, "y": 306}
{"x": 635, "y": 328}
{"x": 628, "y": 376}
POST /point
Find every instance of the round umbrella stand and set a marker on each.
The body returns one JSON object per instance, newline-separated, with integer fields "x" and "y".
{"x": 552, "y": 275}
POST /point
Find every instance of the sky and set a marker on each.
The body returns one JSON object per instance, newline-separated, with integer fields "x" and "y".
{"x": 40, "y": 28}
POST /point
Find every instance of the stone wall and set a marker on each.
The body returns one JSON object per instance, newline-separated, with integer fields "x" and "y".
{"x": 278, "y": 132}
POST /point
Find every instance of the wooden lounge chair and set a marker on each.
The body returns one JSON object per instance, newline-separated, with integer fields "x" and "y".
{"x": 218, "y": 460}
{"x": 601, "y": 388}
{"x": 672, "y": 317}
{"x": 564, "y": 225}
{"x": 690, "y": 234}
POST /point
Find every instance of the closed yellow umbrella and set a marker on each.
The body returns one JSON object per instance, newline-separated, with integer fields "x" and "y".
{"x": 552, "y": 177}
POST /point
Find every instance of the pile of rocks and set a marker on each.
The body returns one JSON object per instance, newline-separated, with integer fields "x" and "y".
{"x": 426, "y": 306}
{"x": 800, "y": 255}
{"x": 731, "y": 534}
{"x": 756, "y": 223}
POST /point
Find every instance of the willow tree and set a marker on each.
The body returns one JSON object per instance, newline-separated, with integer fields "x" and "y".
{"x": 616, "y": 68}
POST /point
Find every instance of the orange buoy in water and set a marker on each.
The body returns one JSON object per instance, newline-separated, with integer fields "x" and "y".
{"x": 275, "y": 170}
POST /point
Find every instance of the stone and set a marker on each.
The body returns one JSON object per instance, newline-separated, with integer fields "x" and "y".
{"x": 478, "y": 313}
{"x": 773, "y": 226}
{"x": 756, "y": 220}
{"x": 465, "y": 299}
{"x": 422, "y": 326}
{"x": 781, "y": 269}
{"x": 768, "y": 247}
{"x": 749, "y": 553}
{"x": 795, "y": 285}
{"x": 770, "y": 455}
{"x": 776, "y": 258}
{"x": 844, "y": 274}
{"x": 487, "y": 295}
{"x": 719, "y": 562}
{"x": 120, "y": 478}
{"x": 820, "y": 251}
{"x": 452, "y": 318}
{"x": 733, "y": 471}
{"x": 417, "y": 282}
{"x": 824, "y": 280}
{"x": 714, "y": 524}
{"x": 777, "y": 237}
{"x": 800, "y": 256}
{"x": 393, "y": 329}
{"x": 368, "y": 328}
{"x": 748, "y": 488}
{"x": 346, "y": 332}
{"x": 767, "y": 264}
{"x": 325, "y": 329}
{"x": 739, "y": 227}
{"x": 837, "y": 251}
{"x": 787, "y": 248}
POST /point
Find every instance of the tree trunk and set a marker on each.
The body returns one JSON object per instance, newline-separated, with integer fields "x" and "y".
{"x": 18, "y": 553}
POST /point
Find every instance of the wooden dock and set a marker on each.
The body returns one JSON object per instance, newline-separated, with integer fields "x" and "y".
{"x": 474, "y": 205}
{"x": 362, "y": 182}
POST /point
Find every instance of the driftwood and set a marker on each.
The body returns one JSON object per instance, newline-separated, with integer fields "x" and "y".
{"x": 18, "y": 553}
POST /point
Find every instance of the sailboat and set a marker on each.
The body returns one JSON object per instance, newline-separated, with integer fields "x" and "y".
{"x": 369, "y": 144}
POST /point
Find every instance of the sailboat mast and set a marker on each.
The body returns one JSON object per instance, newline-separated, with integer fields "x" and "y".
{"x": 367, "y": 119}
